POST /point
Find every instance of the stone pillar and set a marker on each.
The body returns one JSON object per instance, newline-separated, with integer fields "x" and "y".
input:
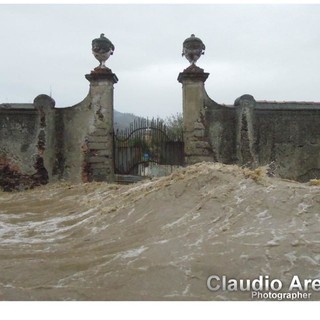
{"x": 245, "y": 131}
{"x": 45, "y": 159}
{"x": 99, "y": 148}
{"x": 196, "y": 146}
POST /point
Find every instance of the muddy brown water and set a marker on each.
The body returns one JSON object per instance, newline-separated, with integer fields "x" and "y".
{"x": 160, "y": 239}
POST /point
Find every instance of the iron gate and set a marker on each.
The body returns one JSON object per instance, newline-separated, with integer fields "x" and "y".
{"x": 145, "y": 142}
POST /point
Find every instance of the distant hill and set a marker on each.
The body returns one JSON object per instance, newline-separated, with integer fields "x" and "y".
{"x": 123, "y": 120}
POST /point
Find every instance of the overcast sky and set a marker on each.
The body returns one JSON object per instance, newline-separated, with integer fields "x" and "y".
{"x": 269, "y": 51}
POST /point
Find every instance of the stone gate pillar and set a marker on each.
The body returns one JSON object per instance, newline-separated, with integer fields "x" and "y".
{"x": 196, "y": 147}
{"x": 100, "y": 162}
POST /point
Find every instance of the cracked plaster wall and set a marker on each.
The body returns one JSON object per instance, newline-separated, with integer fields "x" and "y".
{"x": 40, "y": 143}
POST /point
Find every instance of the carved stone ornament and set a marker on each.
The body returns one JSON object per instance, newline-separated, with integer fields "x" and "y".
{"x": 102, "y": 49}
{"x": 193, "y": 48}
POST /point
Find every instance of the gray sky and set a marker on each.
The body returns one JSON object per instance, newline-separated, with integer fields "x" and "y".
{"x": 269, "y": 51}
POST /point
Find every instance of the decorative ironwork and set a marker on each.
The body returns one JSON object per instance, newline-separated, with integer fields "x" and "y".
{"x": 146, "y": 141}
{"x": 102, "y": 49}
{"x": 193, "y": 48}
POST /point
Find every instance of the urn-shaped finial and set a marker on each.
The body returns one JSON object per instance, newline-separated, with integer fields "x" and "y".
{"x": 193, "y": 48}
{"x": 102, "y": 49}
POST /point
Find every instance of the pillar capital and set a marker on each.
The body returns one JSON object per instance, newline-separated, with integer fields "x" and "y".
{"x": 193, "y": 73}
{"x": 100, "y": 74}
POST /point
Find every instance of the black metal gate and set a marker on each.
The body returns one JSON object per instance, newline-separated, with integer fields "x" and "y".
{"x": 145, "y": 142}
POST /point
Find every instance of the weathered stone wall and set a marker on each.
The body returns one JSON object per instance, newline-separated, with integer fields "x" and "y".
{"x": 26, "y": 135}
{"x": 285, "y": 136}
{"x": 288, "y": 134}
{"x": 221, "y": 122}
{"x": 75, "y": 123}
{"x": 40, "y": 143}
{"x": 88, "y": 133}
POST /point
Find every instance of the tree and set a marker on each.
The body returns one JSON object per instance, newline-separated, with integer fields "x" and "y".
{"x": 174, "y": 125}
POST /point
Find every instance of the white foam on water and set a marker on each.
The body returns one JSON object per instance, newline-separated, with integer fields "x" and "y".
{"x": 302, "y": 207}
{"x": 186, "y": 290}
{"x": 161, "y": 241}
{"x": 276, "y": 239}
{"x": 99, "y": 229}
{"x": 170, "y": 225}
{"x": 239, "y": 200}
{"x": 133, "y": 252}
{"x": 264, "y": 215}
{"x": 197, "y": 242}
{"x": 144, "y": 216}
{"x": 131, "y": 211}
{"x": 309, "y": 260}
{"x": 48, "y": 230}
{"x": 291, "y": 257}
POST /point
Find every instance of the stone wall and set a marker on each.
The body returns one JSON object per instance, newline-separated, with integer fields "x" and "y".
{"x": 40, "y": 143}
{"x": 283, "y": 135}
{"x": 288, "y": 134}
{"x": 26, "y": 135}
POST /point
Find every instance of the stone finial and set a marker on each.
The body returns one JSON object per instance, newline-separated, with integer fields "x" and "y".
{"x": 102, "y": 49}
{"x": 193, "y": 48}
